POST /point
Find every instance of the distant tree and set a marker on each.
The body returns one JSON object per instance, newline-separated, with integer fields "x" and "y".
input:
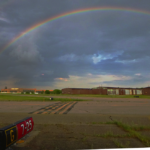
{"x": 5, "y": 87}
{"x": 42, "y": 92}
{"x": 27, "y": 92}
{"x": 47, "y": 92}
{"x": 56, "y": 91}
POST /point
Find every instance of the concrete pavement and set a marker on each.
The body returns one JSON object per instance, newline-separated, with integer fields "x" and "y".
{"x": 137, "y": 110}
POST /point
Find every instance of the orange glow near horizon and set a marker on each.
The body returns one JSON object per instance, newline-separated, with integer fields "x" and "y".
{"x": 62, "y": 79}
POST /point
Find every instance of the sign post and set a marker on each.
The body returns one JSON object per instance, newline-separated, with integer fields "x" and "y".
{"x": 12, "y": 133}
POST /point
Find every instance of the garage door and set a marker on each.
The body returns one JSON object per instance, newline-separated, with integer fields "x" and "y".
{"x": 127, "y": 92}
{"x": 139, "y": 92}
{"x": 111, "y": 91}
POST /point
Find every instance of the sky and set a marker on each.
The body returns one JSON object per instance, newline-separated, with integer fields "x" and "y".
{"x": 108, "y": 47}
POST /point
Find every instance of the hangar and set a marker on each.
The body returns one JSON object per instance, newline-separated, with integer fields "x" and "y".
{"x": 108, "y": 91}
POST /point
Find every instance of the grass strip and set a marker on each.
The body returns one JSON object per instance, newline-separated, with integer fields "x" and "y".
{"x": 140, "y": 128}
{"x": 32, "y": 98}
{"x": 85, "y": 95}
{"x": 108, "y": 122}
{"x": 105, "y": 96}
{"x": 125, "y": 126}
{"x": 111, "y": 134}
{"x": 135, "y": 134}
{"x": 131, "y": 131}
{"x": 143, "y": 139}
{"x": 120, "y": 145}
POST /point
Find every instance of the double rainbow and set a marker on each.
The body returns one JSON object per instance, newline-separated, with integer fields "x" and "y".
{"x": 35, "y": 26}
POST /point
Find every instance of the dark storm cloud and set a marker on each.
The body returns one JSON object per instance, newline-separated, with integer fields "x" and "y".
{"x": 100, "y": 42}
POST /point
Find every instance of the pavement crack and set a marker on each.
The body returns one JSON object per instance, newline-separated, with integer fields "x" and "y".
{"x": 110, "y": 117}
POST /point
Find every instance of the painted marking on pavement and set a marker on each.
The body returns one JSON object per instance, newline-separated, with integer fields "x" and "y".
{"x": 57, "y": 108}
{"x": 67, "y": 108}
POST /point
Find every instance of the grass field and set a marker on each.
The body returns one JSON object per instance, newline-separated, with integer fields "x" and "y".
{"x": 39, "y": 96}
{"x": 81, "y": 95}
{"x": 32, "y": 98}
{"x": 104, "y": 96}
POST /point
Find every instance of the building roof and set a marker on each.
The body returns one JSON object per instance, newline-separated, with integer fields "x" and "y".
{"x": 147, "y": 87}
{"x": 104, "y": 87}
{"x": 82, "y": 88}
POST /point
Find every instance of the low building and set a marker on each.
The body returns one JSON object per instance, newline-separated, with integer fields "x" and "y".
{"x": 146, "y": 91}
{"x": 83, "y": 91}
{"x": 22, "y": 90}
{"x": 106, "y": 91}
{"x": 39, "y": 91}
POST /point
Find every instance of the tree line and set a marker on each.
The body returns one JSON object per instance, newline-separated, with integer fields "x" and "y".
{"x": 56, "y": 91}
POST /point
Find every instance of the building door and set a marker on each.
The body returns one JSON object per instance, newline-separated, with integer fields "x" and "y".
{"x": 139, "y": 92}
{"x": 127, "y": 92}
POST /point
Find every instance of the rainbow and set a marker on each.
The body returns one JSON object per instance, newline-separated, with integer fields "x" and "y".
{"x": 35, "y": 26}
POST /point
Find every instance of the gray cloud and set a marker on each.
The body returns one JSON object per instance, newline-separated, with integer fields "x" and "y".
{"x": 136, "y": 81}
{"x": 98, "y": 42}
